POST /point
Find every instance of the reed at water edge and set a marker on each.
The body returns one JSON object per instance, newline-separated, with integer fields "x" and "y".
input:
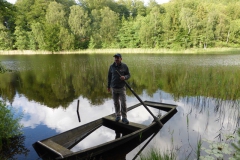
{"x": 126, "y": 51}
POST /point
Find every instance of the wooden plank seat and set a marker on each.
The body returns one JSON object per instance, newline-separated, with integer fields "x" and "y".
{"x": 60, "y": 150}
{"x": 109, "y": 121}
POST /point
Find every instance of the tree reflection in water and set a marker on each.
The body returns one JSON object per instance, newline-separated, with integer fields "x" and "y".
{"x": 13, "y": 146}
{"x": 206, "y": 87}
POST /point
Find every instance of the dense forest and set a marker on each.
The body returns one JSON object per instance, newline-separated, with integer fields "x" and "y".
{"x": 57, "y": 25}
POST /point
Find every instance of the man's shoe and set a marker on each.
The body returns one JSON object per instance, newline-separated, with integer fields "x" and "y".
{"x": 117, "y": 119}
{"x": 125, "y": 121}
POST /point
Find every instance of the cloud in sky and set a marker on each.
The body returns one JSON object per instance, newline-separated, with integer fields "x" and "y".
{"x": 145, "y": 1}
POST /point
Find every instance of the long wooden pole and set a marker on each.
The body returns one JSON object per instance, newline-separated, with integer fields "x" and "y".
{"x": 78, "y": 111}
{"x": 155, "y": 118}
{"x": 144, "y": 146}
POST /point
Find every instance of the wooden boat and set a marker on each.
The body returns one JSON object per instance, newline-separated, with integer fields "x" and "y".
{"x": 58, "y": 147}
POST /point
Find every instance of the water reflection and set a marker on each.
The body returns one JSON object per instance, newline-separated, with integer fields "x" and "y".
{"x": 176, "y": 132}
{"x": 12, "y": 147}
{"x": 57, "y": 80}
{"x": 205, "y": 88}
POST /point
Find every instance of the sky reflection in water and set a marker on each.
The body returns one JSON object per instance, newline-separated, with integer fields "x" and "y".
{"x": 41, "y": 122}
{"x": 41, "y": 78}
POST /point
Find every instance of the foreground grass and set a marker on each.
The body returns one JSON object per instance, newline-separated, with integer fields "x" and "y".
{"x": 154, "y": 154}
{"x": 128, "y": 50}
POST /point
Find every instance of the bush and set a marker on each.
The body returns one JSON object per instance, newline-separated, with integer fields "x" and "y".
{"x": 10, "y": 126}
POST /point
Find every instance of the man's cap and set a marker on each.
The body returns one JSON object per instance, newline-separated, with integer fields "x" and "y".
{"x": 118, "y": 55}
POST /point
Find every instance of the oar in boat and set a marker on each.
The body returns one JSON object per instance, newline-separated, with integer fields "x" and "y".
{"x": 155, "y": 118}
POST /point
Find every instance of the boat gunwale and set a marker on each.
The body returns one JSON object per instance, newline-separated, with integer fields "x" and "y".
{"x": 170, "y": 107}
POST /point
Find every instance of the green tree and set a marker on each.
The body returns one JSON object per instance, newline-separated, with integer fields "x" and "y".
{"x": 52, "y": 37}
{"x": 128, "y": 34}
{"x": 32, "y": 41}
{"x": 38, "y": 11}
{"x": 38, "y": 33}
{"x": 95, "y": 40}
{"x": 56, "y": 14}
{"x": 140, "y": 8}
{"x": 151, "y": 28}
{"x": 23, "y": 7}
{"x": 66, "y": 39}
{"x": 232, "y": 10}
{"x": 103, "y": 23}
{"x": 234, "y": 32}
{"x": 121, "y": 9}
{"x": 67, "y": 4}
{"x": 201, "y": 15}
{"x": 6, "y": 39}
{"x": 79, "y": 23}
{"x": 135, "y": 7}
{"x": 171, "y": 25}
{"x": 22, "y": 41}
{"x": 188, "y": 19}
{"x": 105, "y": 26}
{"x": 188, "y": 22}
{"x": 7, "y": 18}
{"x": 96, "y": 4}
{"x": 222, "y": 28}
{"x": 210, "y": 29}
{"x": 7, "y": 15}
{"x": 145, "y": 35}
{"x": 108, "y": 27}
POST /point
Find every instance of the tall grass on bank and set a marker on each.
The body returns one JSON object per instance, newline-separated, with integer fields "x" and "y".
{"x": 154, "y": 154}
{"x": 127, "y": 50}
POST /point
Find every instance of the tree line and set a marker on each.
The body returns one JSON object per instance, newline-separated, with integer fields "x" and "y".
{"x": 68, "y": 25}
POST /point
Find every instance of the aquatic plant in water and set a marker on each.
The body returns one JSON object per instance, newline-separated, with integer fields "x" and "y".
{"x": 154, "y": 154}
{"x": 219, "y": 150}
{"x": 199, "y": 145}
{"x": 236, "y": 146}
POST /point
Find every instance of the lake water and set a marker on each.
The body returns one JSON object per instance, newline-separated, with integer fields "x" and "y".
{"x": 46, "y": 88}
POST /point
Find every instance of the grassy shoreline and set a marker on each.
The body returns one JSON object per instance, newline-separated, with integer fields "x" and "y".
{"x": 127, "y": 50}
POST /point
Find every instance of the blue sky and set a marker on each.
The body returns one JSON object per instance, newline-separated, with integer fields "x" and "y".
{"x": 146, "y": 1}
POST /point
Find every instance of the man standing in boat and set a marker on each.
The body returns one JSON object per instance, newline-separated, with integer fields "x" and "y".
{"x": 117, "y": 85}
